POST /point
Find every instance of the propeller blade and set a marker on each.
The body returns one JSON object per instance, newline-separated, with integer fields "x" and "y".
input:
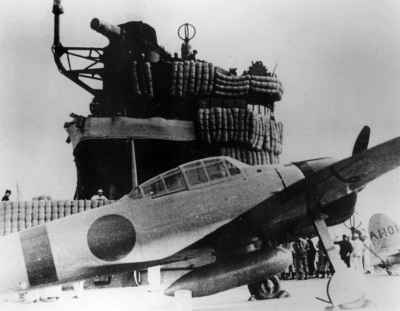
{"x": 362, "y": 140}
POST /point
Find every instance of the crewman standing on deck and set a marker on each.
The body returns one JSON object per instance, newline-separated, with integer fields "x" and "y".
{"x": 99, "y": 196}
{"x": 301, "y": 250}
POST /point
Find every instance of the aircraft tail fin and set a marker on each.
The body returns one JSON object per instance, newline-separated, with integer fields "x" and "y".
{"x": 384, "y": 234}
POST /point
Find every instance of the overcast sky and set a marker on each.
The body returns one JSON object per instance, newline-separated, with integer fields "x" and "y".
{"x": 338, "y": 61}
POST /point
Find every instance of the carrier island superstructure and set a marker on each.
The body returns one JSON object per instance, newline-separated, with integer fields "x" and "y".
{"x": 152, "y": 112}
{"x": 155, "y": 112}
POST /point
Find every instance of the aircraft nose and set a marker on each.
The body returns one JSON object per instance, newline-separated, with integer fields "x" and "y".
{"x": 342, "y": 208}
{"x": 310, "y": 167}
{"x": 340, "y": 204}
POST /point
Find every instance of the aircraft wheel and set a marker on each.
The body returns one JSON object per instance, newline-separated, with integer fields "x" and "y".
{"x": 267, "y": 289}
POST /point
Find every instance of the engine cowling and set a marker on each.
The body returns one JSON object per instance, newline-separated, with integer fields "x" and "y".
{"x": 339, "y": 210}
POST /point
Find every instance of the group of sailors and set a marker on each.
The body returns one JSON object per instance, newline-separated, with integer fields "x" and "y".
{"x": 190, "y": 56}
{"x": 311, "y": 260}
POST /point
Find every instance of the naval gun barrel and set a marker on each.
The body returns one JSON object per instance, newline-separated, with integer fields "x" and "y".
{"x": 108, "y": 30}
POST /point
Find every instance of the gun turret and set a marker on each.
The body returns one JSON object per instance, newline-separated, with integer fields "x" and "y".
{"x": 110, "y": 31}
{"x": 136, "y": 38}
{"x": 129, "y": 42}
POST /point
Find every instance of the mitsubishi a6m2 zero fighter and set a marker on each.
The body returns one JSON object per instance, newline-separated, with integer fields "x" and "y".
{"x": 240, "y": 213}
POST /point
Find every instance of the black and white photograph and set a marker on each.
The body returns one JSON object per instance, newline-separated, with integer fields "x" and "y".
{"x": 199, "y": 155}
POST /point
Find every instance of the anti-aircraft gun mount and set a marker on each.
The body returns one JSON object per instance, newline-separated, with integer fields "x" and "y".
{"x": 154, "y": 112}
{"x": 132, "y": 41}
{"x": 139, "y": 77}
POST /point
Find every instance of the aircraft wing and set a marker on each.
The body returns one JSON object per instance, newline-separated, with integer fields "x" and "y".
{"x": 353, "y": 173}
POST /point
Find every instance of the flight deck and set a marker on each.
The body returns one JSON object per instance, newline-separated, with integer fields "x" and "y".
{"x": 382, "y": 292}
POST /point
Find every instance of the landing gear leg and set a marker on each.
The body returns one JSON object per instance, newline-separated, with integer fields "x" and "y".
{"x": 267, "y": 289}
{"x": 347, "y": 287}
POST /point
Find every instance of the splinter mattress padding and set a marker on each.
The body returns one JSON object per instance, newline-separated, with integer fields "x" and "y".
{"x": 241, "y": 127}
{"x": 19, "y": 215}
{"x": 204, "y": 79}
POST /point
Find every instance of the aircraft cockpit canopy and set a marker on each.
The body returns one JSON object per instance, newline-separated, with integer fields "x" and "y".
{"x": 189, "y": 176}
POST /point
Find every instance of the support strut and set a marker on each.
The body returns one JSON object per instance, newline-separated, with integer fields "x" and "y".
{"x": 347, "y": 287}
